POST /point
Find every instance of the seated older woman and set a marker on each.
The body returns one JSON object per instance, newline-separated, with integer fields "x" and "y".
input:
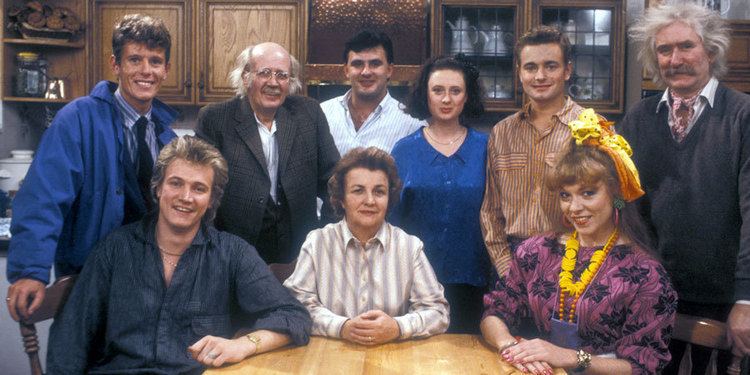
{"x": 363, "y": 279}
{"x": 598, "y": 295}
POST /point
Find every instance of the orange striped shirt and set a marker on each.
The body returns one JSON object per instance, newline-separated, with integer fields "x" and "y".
{"x": 516, "y": 200}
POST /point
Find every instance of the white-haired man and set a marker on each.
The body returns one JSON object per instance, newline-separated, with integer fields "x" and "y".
{"x": 692, "y": 148}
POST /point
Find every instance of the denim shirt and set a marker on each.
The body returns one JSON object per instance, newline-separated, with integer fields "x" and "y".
{"x": 121, "y": 316}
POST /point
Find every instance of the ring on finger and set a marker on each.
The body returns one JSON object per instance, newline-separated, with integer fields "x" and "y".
{"x": 212, "y": 355}
{"x": 369, "y": 338}
{"x": 7, "y": 299}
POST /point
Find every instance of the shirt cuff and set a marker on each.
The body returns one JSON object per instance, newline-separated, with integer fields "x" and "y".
{"x": 335, "y": 326}
{"x": 404, "y": 326}
{"x": 743, "y": 302}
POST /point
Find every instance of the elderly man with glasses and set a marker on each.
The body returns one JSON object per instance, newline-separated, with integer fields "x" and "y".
{"x": 279, "y": 149}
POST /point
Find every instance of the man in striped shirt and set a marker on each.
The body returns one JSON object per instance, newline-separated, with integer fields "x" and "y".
{"x": 523, "y": 146}
{"x": 367, "y": 115}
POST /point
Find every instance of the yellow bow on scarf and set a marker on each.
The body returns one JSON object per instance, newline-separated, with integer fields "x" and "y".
{"x": 591, "y": 129}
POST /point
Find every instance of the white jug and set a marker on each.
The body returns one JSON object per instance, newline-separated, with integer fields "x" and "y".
{"x": 496, "y": 41}
{"x": 461, "y": 41}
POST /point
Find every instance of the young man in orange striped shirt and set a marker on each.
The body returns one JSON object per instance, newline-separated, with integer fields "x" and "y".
{"x": 521, "y": 147}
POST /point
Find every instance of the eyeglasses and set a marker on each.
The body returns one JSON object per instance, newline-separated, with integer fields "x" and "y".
{"x": 266, "y": 73}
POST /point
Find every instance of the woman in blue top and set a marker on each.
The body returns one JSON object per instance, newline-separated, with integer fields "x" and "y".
{"x": 443, "y": 169}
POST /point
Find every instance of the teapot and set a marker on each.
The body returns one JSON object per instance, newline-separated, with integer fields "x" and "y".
{"x": 496, "y": 41}
{"x": 461, "y": 41}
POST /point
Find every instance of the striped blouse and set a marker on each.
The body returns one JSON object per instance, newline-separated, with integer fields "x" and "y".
{"x": 338, "y": 278}
{"x": 516, "y": 200}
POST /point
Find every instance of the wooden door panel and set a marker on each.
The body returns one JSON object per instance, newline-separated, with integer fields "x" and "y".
{"x": 228, "y": 27}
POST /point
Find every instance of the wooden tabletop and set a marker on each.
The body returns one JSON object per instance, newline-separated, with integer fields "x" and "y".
{"x": 442, "y": 354}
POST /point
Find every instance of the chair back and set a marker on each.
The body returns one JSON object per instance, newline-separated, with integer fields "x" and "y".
{"x": 704, "y": 332}
{"x": 54, "y": 299}
{"x": 282, "y": 271}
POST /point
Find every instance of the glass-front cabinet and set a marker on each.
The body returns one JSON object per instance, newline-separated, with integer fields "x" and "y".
{"x": 485, "y": 32}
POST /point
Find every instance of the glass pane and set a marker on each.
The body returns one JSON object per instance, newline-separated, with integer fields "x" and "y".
{"x": 603, "y": 66}
{"x": 590, "y": 34}
{"x": 484, "y": 36}
{"x": 584, "y": 66}
{"x": 585, "y": 20}
{"x": 601, "y": 90}
{"x": 602, "y": 20}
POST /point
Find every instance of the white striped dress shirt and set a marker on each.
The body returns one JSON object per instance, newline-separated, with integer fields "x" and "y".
{"x": 385, "y": 126}
{"x": 338, "y": 278}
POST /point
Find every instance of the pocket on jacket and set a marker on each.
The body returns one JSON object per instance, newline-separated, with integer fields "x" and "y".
{"x": 511, "y": 161}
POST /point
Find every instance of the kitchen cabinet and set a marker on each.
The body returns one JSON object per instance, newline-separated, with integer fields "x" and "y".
{"x": 207, "y": 35}
{"x": 64, "y": 57}
{"x": 485, "y": 32}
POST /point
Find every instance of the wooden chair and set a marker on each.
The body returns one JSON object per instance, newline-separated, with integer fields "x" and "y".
{"x": 704, "y": 332}
{"x": 54, "y": 300}
{"x": 282, "y": 271}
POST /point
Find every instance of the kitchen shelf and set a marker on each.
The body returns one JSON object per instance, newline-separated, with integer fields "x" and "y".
{"x": 46, "y": 42}
{"x": 33, "y": 100}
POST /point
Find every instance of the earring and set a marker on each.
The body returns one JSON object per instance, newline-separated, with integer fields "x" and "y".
{"x": 618, "y": 203}
{"x": 617, "y": 217}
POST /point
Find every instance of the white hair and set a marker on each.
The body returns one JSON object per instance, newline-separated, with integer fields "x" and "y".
{"x": 244, "y": 65}
{"x": 707, "y": 23}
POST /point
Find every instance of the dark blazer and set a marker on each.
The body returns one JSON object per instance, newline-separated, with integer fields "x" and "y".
{"x": 307, "y": 155}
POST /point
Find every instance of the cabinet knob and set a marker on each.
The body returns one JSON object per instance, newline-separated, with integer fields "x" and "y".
{"x": 188, "y": 83}
{"x": 200, "y": 83}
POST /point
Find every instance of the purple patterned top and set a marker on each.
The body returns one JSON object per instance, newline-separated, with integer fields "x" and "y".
{"x": 628, "y": 309}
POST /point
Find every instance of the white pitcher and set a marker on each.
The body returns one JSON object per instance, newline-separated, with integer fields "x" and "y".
{"x": 461, "y": 41}
{"x": 496, "y": 41}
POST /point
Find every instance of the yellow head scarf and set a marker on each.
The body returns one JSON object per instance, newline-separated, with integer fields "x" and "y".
{"x": 591, "y": 129}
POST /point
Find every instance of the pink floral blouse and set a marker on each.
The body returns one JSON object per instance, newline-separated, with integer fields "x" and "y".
{"x": 628, "y": 309}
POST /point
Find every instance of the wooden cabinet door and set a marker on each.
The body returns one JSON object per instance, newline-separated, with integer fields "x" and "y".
{"x": 226, "y": 27}
{"x": 177, "y": 88}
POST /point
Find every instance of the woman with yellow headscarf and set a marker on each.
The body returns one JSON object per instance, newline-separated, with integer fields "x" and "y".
{"x": 600, "y": 300}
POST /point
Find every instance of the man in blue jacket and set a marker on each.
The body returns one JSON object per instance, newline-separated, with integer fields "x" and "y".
{"x": 93, "y": 166}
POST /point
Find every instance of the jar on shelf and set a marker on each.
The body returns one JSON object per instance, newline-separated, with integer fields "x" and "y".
{"x": 31, "y": 75}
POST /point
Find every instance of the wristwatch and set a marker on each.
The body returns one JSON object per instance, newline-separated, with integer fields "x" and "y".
{"x": 583, "y": 361}
{"x": 255, "y": 340}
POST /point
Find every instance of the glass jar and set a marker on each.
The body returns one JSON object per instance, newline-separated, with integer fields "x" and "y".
{"x": 31, "y": 75}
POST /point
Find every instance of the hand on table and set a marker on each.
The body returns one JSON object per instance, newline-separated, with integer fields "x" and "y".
{"x": 738, "y": 333}
{"x": 538, "y": 356}
{"x": 216, "y": 351}
{"x": 18, "y": 298}
{"x": 373, "y": 327}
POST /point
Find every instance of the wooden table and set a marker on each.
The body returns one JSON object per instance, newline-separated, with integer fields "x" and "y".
{"x": 437, "y": 355}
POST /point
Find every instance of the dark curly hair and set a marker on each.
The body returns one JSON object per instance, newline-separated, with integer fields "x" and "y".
{"x": 140, "y": 28}
{"x": 370, "y": 158}
{"x": 416, "y": 103}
